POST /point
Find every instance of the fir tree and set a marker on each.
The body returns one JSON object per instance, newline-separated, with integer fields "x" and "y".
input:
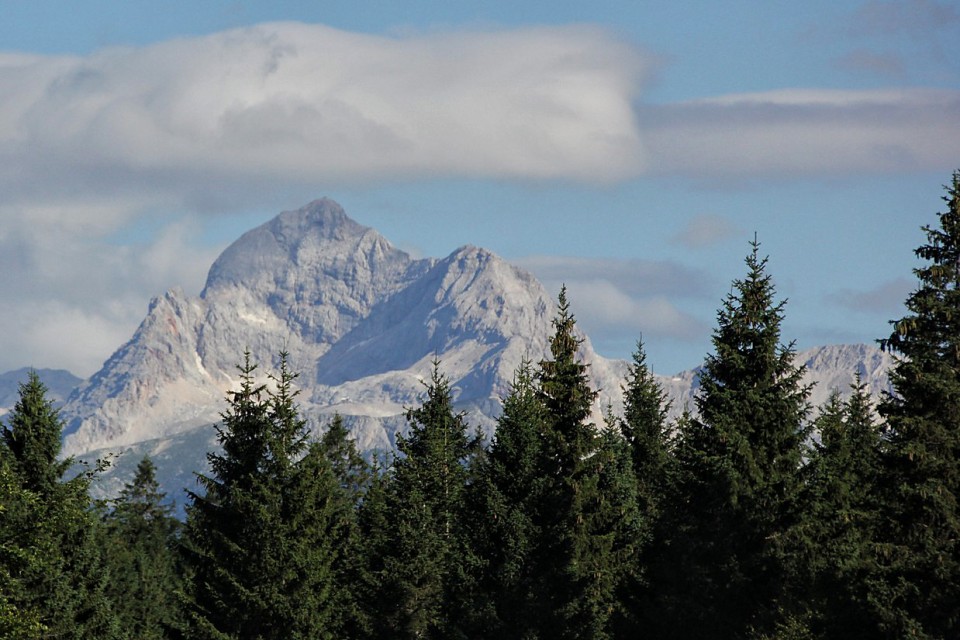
{"x": 423, "y": 552}
{"x": 261, "y": 541}
{"x": 142, "y": 536}
{"x": 645, "y": 428}
{"x": 349, "y": 466}
{"x": 921, "y": 557}
{"x": 582, "y": 571}
{"x": 504, "y": 504}
{"x": 26, "y": 544}
{"x": 740, "y": 458}
{"x": 367, "y": 559}
{"x": 835, "y": 539}
{"x": 65, "y": 586}
{"x": 647, "y": 434}
{"x": 354, "y": 476}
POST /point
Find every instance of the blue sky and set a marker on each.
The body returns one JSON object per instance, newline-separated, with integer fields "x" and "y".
{"x": 630, "y": 150}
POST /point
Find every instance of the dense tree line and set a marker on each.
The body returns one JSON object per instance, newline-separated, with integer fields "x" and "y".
{"x": 743, "y": 518}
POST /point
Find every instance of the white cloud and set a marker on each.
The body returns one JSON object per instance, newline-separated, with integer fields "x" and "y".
{"x": 307, "y": 104}
{"x": 618, "y": 300}
{"x": 804, "y": 132}
{"x": 93, "y": 146}
{"x": 72, "y": 298}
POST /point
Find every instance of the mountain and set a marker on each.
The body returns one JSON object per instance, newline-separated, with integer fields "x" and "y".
{"x": 362, "y": 321}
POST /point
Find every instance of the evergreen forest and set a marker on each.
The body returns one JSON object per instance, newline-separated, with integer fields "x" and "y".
{"x": 752, "y": 516}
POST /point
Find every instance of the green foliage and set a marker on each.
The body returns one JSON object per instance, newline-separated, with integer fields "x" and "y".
{"x": 261, "y": 543}
{"x": 740, "y": 459}
{"x": 921, "y": 552}
{"x": 145, "y": 579}
{"x": 834, "y": 542}
{"x": 504, "y": 507}
{"x": 421, "y": 557}
{"x": 645, "y": 428}
{"x": 52, "y": 547}
{"x": 647, "y": 435}
{"x": 588, "y": 510}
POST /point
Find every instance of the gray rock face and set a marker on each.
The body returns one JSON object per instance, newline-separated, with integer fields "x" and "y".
{"x": 362, "y": 322}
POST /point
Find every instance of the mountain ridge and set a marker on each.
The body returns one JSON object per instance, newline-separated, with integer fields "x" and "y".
{"x": 363, "y": 323}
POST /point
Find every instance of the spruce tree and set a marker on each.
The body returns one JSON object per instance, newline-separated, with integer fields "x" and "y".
{"x": 583, "y": 569}
{"x": 921, "y": 557}
{"x": 504, "y": 504}
{"x": 647, "y": 433}
{"x": 423, "y": 551}
{"x": 834, "y": 542}
{"x": 354, "y": 476}
{"x": 646, "y": 429}
{"x": 142, "y": 537}
{"x": 260, "y": 543}
{"x": 26, "y": 544}
{"x": 65, "y": 587}
{"x": 349, "y": 467}
{"x": 740, "y": 458}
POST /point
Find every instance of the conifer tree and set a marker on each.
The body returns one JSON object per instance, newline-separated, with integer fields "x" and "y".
{"x": 26, "y": 544}
{"x": 367, "y": 559}
{"x": 142, "y": 536}
{"x": 261, "y": 540}
{"x": 504, "y": 504}
{"x": 354, "y": 476}
{"x": 646, "y": 431}
{"x": 645, "y": 428}
{"x": 65, "y": 587}
{"x": 835, "y": 538}
{"x": 349, "y": 467}
{"x": 583, "y": 571}
{"x": 423, "y": 552}
{"x": 740, "y": 458}
{"x": 921, "y": 557}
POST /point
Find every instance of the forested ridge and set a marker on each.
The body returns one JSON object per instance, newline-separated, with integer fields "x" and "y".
{"x": 746, "y": 517}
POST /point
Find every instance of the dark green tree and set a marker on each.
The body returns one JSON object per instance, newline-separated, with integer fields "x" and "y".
{"x": 645, "y": 427}
{"x": 423, "y": 553}
{"x": 65, "y": 586}
{"x": 261, "y": 542}
{"x": 739, "y": 471}
{"x": 367, "y": 557}
{"x": 834, "y": 552}
{"x": 350, "y": 468}
{"x": 26, "y": 545}
{"x": 921, "y": 556}
{"x": 583, "y": 567}
{"x": 355, "y": 476}
{"x": 504, "y": 510}
{"x": 647, "y": 433}
{"x": 145, "y": 578}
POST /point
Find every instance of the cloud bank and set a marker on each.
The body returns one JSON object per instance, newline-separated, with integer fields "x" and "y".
{"x": 93, "y": 146}
{"x": 304, "y": 103}
{"x": 619, "y": 300}
{"x": 804, "y": 132}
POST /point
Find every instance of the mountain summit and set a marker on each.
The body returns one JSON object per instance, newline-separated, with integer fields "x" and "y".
{"x": 361, "y": 320}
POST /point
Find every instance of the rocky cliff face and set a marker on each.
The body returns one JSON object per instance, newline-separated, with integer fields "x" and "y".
{"x": 362, "y": 322}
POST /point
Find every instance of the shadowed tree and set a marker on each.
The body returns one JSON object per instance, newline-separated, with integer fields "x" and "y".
{"x": 921, "y": 554}
{"x": 739, "y": 471}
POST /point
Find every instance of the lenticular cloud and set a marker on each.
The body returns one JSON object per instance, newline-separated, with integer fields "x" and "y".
{"x": 307, "y": 103}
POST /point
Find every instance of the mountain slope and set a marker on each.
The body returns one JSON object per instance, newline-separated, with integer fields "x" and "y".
{"x": 363, "y": 323}
{"x": 361, "y": 320}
